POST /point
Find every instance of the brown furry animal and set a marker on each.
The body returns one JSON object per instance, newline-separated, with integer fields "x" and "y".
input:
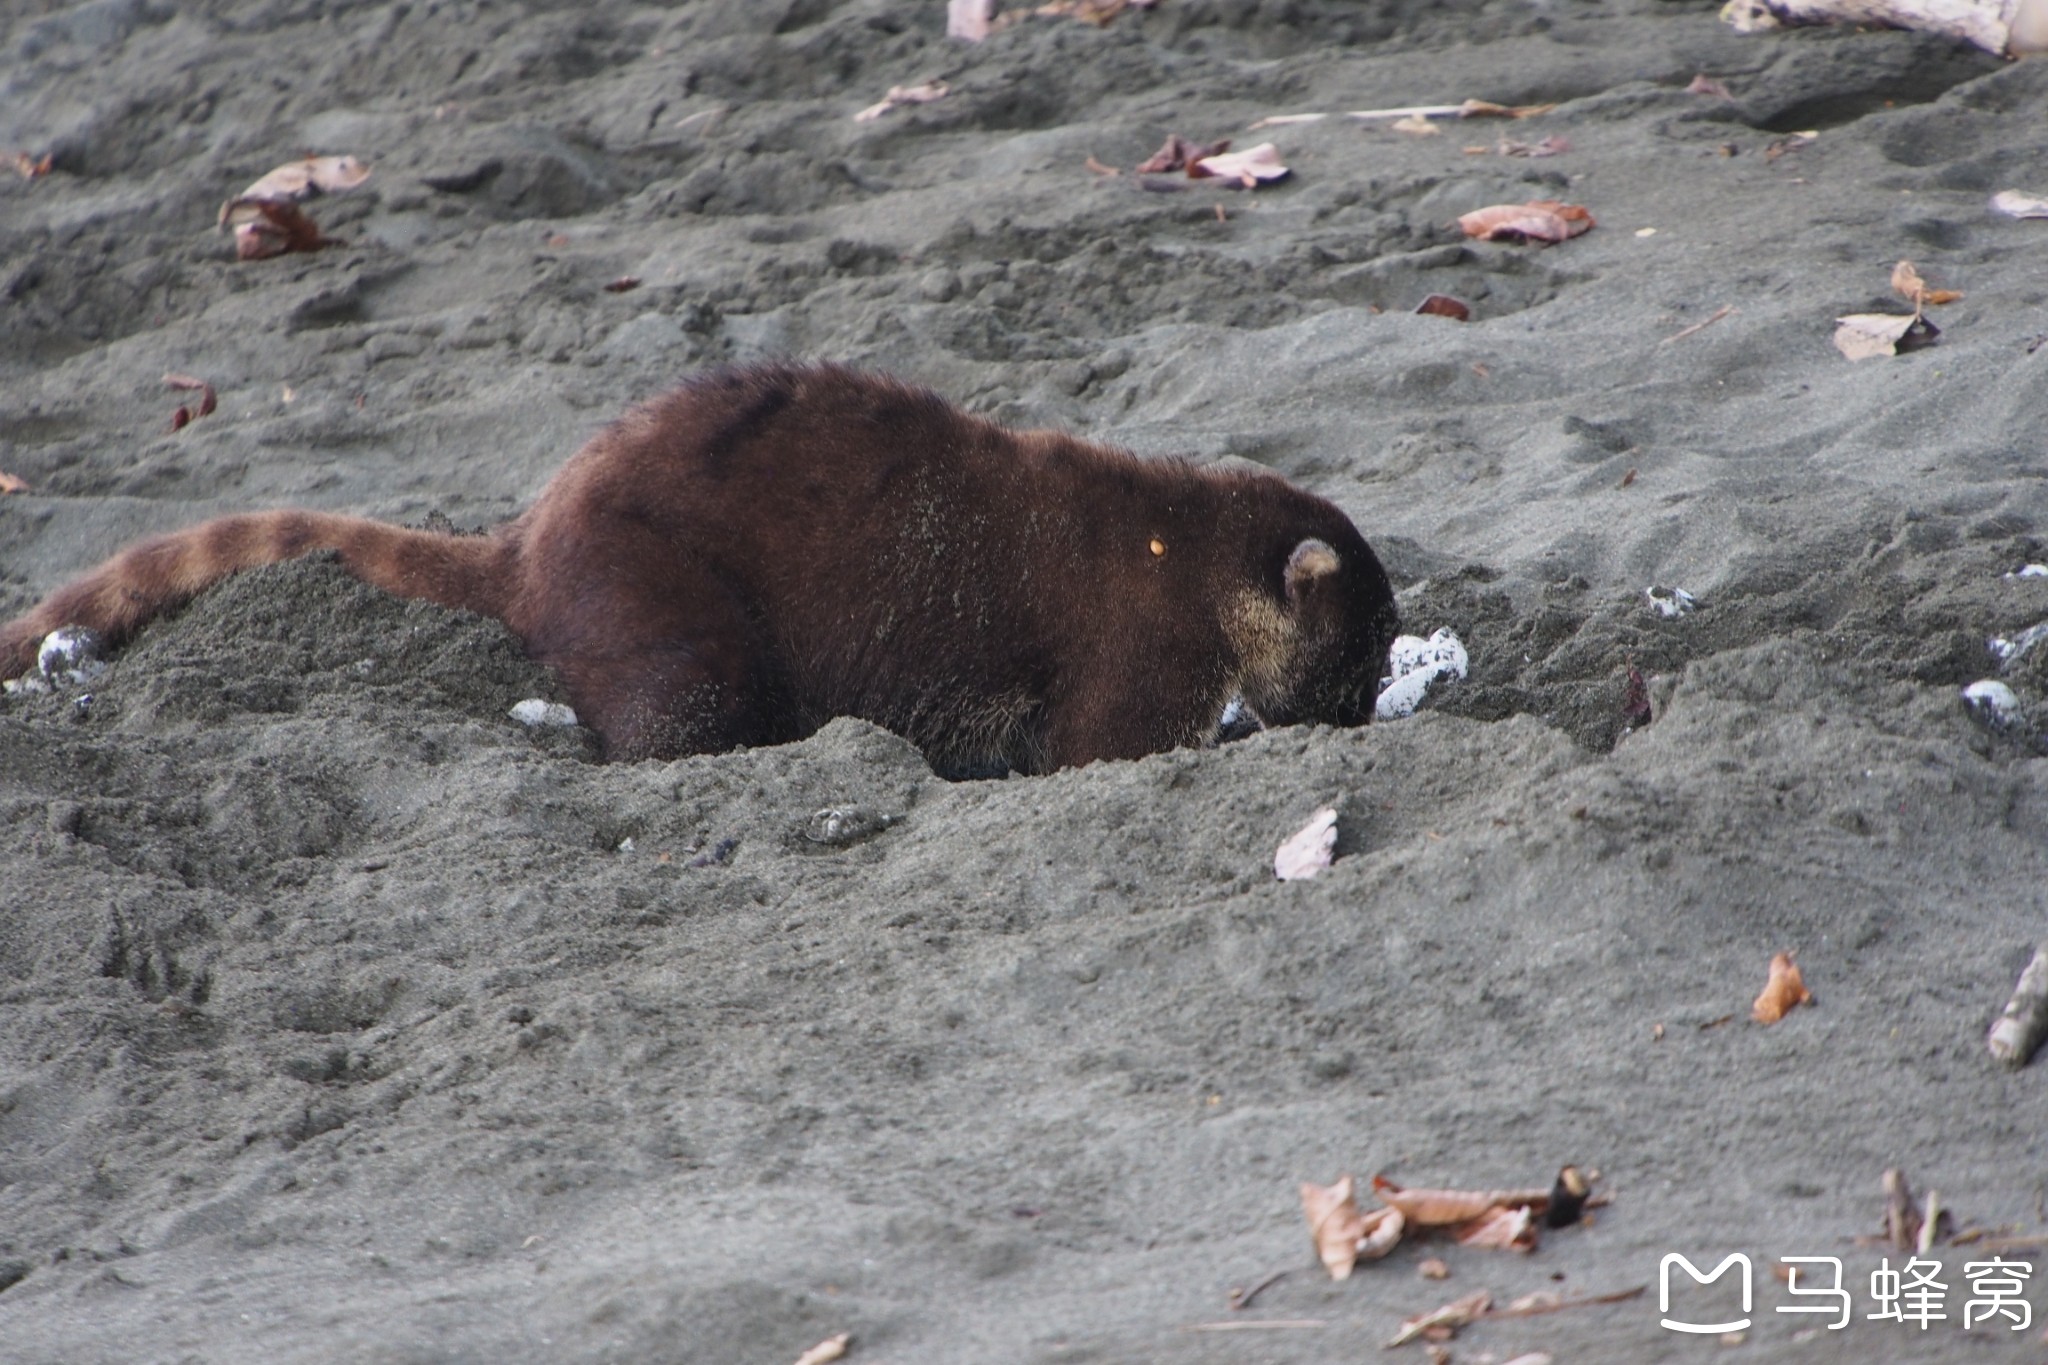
{"x": 761, "y": 550}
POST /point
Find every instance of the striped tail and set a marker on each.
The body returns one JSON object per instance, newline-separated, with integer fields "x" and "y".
{"x": 161, "y": 574}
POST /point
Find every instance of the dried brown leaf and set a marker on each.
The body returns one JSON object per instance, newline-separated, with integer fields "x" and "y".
{"x": 1784, "y": 991}
{"x": 31, "y": 167}
{"x": 623, "y": 284}
{"x": 1553, "y": 145}
{"x": 1499, "y": 1229}
{"x": 1539, "y": 220}
{"x": 1448, "y": 1208}
{"x": 186, "y": 383}
{"x": 1178, "y": 154}
{"x": 830, "y": 1349}
{"x": 1906, "y": 283}
{"x": 271, "y": 227}
{"x": 1444, "y": 306}
{"x": 1334, "y": 1224}
{"x": 1861, "y": 336}
{"x": 1461, "y": 1312}
{"x": 901, "y": 95}
{"x": 10, "y": 484}
{"x": 309, "y": 177}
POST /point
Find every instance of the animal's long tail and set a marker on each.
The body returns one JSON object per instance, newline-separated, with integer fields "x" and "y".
{"x": 155, "y": 576}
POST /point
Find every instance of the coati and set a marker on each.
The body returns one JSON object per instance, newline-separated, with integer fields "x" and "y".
{"x": 763, "y": 549}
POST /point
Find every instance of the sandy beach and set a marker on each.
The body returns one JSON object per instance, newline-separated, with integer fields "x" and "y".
{"x": 345, "y": 1018}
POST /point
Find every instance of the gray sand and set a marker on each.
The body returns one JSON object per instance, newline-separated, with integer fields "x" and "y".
{"x": 343, "y": 1022}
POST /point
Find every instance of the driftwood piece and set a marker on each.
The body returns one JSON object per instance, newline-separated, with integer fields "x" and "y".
{"x": 2020, "y": 1030}
{"x": 2007, "y": 27}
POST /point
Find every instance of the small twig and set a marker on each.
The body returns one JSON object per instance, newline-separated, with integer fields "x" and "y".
{"x": 1723, "y": 311}
{"x": 1901, "y": 1219}
{"x": 2024, "y": 1023}
{"x": 1242, "y": 1298}
{"x": 1997, "y": 1245}
{"x": 1536, "y": 1309}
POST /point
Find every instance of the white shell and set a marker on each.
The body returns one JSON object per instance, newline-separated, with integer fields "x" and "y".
{"x": 1670, "y": 602}
{"x": 534, "y": 711}
{"x": 1413, "y": 664}
{"x": 1993, "y": 703}
{"x": 2008, "y": 652}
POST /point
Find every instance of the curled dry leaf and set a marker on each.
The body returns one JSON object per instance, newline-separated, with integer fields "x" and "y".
{"x": 1310, "y": 849}
{"x": 1344, "y": 1236}
{"x": 1334, "y": 1224}
{"x": 2013, "y": 204}
{"x": 1444, "y": 306}
{"x": 270, "y": 227}
{"x": 1383, "y": 1229}
{"x": 1449, "y": 1208}
{"x": 1783, "y": 992}
{"x": 1251, "y": 168}
{"x": 10, "y": 484}
{"x": 1461, "y": 1312}
{"x": 31, "y": 167}
{"x": 830, "y": 1349}
{"x": 1906, "y": 283}
{"x": 903, "y": 94}
{"x": 1539, "y": 220}
{"x": 969, "y": 20}
{"x": 309, "y": 177}
{"x": 189, "y": 383}
{"x": 1550, "y": 146}
{"x": 1860, "y": 336}
{"x": 623, "y": 284}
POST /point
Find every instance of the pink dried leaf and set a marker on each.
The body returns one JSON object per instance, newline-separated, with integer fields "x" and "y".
{"x": 1310, "y": 849}
{"x": 1252, "y": 167}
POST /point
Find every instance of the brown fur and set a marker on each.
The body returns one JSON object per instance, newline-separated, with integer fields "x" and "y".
{"x": 743, "y": 559}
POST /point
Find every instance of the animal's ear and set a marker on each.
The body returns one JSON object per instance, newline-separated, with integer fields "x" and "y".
{"x": 1311, "y": 562}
